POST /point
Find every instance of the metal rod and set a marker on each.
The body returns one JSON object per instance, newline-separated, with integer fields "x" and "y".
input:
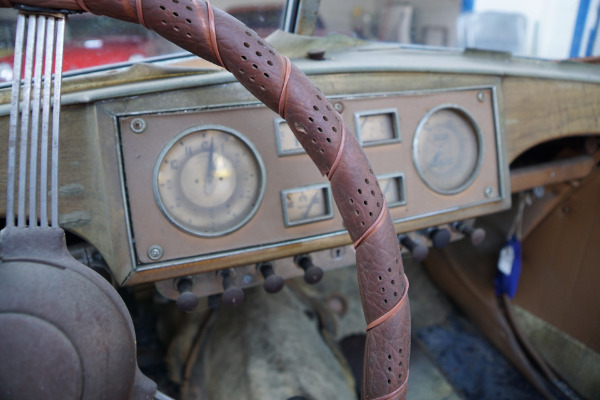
{"x": 26, "y": 109}
{"x": 14, "y": 120}
{"x": 48, "y": 65}
{"x": 60, "y": 35}
{"x": 35, "y": 119}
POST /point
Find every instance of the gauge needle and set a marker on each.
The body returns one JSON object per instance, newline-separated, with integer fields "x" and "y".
{"x": 210, "y": 170}
{"x": 314, "y": 200}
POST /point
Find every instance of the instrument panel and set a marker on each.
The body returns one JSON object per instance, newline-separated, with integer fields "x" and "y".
{"x": 209, "y": 183}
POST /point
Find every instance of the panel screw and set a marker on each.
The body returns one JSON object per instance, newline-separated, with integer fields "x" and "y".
{"x": 481, "y": 97}
{"x": 488, "y": 191}
{"x": 138, "y": 125}
{"x": 155, "y": 252}
{"x": 339, "y": 107}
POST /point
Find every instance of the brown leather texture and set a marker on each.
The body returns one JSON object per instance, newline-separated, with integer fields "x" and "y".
{"x": 320, "y": 130}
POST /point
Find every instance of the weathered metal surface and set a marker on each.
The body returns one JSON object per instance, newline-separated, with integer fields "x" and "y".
{"x": 64, "y": 331}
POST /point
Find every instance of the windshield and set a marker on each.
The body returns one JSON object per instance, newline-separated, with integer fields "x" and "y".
{"x": 551, "y": 29}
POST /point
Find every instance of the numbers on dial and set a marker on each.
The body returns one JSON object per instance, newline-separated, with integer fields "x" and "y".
{"x": 209, "y": 181}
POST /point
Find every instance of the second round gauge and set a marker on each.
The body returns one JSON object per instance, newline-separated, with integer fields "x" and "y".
{"x": 209, "y": 180}
{"x": 448, "y": 149}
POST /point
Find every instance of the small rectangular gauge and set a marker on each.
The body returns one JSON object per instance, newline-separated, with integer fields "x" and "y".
{"x": 392, "y": 186}
{"x": 303, "y": 205}
{"x": 377, "y": 127}
{"x": 287, "y": 144}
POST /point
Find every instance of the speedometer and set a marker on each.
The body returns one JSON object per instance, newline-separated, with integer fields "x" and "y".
{"x": 209, "y": 180}
{"x": 448, "y": 149}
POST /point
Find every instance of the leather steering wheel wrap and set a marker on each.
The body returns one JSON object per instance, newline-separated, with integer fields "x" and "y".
{"x": 217, "y": 37}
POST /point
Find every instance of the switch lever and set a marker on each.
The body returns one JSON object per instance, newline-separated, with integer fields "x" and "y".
{"x": 477, "y": 235}
{"x": 187, "y": 301}
{"x": 418, "y": 251}
{"x": 232, "y": 295}
{"x": 312, "y": 273}
{"x": 440, "y": 237}
{"x": 273, "y": 283}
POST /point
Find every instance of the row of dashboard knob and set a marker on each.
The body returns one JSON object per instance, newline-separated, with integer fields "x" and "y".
{"x": 232, "y": 295}
{"x": 440, "y": 237}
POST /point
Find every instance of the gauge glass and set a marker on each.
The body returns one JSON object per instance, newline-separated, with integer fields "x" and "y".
{"x": 377, "y": 127}
{"x": 287, "y": 144}
{"x": 306, "y": 204}
{"x": 209, "y": 181}
{"x": 447, "y": 149}
{"x": 392, "y": 187}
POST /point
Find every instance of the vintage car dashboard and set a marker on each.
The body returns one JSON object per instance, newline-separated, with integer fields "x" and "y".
{"x": 175, "y": 172}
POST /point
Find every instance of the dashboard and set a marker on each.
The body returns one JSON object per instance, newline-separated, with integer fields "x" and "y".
{"x": 178, "y": 173}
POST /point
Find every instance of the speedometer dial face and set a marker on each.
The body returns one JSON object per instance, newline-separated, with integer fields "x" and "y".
{"x": 447, "y": 149}
{"x": 209, "y": 181}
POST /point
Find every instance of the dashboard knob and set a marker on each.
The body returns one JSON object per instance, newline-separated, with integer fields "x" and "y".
{"x": 418, "y": 251}
{"x": 187, "y": 301}
{"x": 273, "y": 283}
{"x": 312, "y": 273}
{"x": 232, "y": 295}
{"x": 477, "y": 235}
{"x": 440, "y": 237}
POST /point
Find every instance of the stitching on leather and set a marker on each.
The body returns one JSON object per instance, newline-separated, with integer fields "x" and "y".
{"x": 396, "y": 392}
{"x": 83, "y": 6}
{"x": 284, "y": 88}
{"x": 373, "y": 227}
{"x": 338, "y": 156}
{"x": 213, "y": 35}
{"x": 140, "y": 13}
{"x": 394, "y": 310}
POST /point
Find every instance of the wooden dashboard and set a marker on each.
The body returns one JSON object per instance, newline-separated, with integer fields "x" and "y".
{"x": 440, "y": 130}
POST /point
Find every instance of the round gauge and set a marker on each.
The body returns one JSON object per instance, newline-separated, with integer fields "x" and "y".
{"x": 447, "y": 149}
{"x": 209, "y": 180}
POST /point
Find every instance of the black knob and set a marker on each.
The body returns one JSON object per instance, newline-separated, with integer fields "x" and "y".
{"x": 477, "y": 235}
{"x": 273, "y": 283}
{"x": 312, "y": 273}
{"x": 187, "y": 301}
{"x": 440, "y": 237}
{"x": 232, "y": 295}
{"x": 418, "y": 251}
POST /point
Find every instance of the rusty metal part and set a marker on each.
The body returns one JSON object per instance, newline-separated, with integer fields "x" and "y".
{"x": 64, "y": 331}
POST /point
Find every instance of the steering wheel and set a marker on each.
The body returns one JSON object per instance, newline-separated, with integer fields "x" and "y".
{"x": 217, "y": 37}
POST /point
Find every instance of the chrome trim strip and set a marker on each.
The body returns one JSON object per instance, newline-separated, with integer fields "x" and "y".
{"x": 14, "y": 121}
{"x": 60, "y": 39}
{"x": 25, "y": 113}
{"x": 35, "y": 119}
{"x": 46, "y": 105}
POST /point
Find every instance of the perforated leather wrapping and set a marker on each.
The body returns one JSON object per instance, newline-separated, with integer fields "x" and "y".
{"x": 333, "y": 148}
